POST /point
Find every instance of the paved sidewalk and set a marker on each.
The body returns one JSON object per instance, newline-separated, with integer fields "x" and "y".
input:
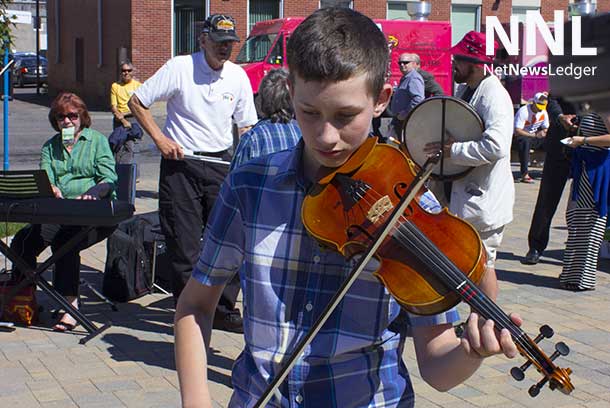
{"x": 131, "y": 364}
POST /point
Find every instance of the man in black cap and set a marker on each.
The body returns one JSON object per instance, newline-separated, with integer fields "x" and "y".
{"x": 205, "y": 94}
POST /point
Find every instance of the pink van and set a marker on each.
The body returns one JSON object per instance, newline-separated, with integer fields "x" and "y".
{"x": 265, "y": 48}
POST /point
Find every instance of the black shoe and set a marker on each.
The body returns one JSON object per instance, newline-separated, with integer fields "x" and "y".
{"x": 574, "y": 287}
{"x": 532, "y": 257}
{"x": 231, "y": 322}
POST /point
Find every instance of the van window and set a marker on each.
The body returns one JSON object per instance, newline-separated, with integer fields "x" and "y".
{"x": 277, "y": 54}
{"x": 255, "y": 48}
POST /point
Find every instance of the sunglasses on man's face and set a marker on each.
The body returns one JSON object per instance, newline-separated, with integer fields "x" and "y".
{"x": 70, "y": 115}
{"x": 126, "y": 70}
{"x": 404, "y": 62}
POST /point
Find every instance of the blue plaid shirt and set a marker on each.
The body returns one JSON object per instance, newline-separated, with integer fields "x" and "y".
{"x": 264, "y": 138}
{"x": 287, "y": 280}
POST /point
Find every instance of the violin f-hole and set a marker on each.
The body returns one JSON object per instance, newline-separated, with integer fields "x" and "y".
{"x": 353, "y": 230}
{"x": 403, "y": 186}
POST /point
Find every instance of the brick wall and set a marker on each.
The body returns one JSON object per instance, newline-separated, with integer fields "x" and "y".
{"x": 143, "y": 27}
{"x": 441, "y": 10}
{"x": 501, "y": 9}
{"x": 299, "y": 8}
{"x": 548, "y": 7}
{"x": 151, "y": 35}
{"x": 97, "y": 75}
{"x": 372, "y": 9}
{"x": 603, "y": 6}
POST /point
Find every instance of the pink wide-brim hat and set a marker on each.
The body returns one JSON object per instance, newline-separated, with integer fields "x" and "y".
{"x": 472, "y": 48}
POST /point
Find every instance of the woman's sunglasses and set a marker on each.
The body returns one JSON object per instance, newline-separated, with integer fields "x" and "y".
{"x": 70, "y": 115}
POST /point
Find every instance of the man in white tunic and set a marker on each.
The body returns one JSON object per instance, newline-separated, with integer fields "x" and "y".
{"x": 486, "y": 195}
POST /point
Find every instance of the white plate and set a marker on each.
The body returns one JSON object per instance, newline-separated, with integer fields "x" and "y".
{"x": 566, "y": 141}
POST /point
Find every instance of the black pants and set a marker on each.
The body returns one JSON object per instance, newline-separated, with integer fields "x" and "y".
{"x": 187, "y": 192}
{"x": 554, "y": 177}
{"x": 524, "y": 145}
{"x": 31, "y": 240}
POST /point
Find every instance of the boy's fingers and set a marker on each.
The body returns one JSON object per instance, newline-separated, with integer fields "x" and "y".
{"x": 489, "y": 341}
{"x": 508, "y": 346}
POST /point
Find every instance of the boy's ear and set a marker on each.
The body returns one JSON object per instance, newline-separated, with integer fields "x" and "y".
{"x": 383, "y": 99}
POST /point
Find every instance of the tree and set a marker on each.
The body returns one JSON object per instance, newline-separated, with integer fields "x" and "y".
{"x": 6, "y": 38}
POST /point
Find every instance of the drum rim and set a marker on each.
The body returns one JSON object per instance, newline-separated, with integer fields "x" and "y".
{"x": 459, "y": 102}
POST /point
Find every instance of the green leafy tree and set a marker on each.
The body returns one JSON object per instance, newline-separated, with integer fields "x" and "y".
{"x": 6, "y": 38}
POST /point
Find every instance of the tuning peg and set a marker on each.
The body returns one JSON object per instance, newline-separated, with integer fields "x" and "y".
{"x": 561, "y": 349}
{"x": 518, "y": 373}
{"x": 546, "y": 332}
{"x": 535, "y": 389}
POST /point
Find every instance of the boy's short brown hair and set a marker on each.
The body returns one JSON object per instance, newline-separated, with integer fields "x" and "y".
{"x": 335, "y": 44}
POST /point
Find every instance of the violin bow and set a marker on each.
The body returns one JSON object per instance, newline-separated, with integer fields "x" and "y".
{"x": 418, "y": 182}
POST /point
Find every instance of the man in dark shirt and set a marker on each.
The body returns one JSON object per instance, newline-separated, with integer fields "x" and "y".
{"x": 431, "y": 87}
{"x": 555, "y": 174}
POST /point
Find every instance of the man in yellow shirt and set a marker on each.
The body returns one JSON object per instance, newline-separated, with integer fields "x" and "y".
{"x": 120, "y": 92}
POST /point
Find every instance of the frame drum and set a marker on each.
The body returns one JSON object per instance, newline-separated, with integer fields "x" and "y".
{"x": 425, "y": 124}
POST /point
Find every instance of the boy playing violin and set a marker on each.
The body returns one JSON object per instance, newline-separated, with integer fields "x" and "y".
{"x": 337, "y": 59}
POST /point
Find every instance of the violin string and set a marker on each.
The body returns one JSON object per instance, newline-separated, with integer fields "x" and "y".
{"x": 482, "y": 302}
{"x": 452, "y": 274}
{"x": 398, "y": 233}
{"x": 500, "y": 317}
{"x": 446, "y": 269}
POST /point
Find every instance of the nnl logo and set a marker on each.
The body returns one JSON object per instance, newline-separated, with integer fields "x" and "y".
{"x": 533, "y": 21}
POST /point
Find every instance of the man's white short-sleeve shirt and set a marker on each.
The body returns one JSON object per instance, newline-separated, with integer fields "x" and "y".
{"x": 531, "y": 121}
{"x": 201, "y": 103}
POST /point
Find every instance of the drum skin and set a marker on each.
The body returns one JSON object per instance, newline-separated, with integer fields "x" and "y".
{"x": 425, "y": 125}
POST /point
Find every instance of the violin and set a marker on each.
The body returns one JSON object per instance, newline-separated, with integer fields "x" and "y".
{"x": 428, "y": 262}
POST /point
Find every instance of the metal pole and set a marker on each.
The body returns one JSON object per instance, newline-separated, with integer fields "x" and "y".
{"x": 6, "y": 96}
{"x": 37, "y": 47}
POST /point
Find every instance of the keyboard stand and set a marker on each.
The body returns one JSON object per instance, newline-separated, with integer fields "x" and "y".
{"x": 34, "y": 276}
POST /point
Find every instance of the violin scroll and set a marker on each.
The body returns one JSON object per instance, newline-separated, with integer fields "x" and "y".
{"x": 558, "y": 378}
{"x": 429, "y": 261}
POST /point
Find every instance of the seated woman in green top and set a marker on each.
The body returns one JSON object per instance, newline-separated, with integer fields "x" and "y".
{"x": 80, "y": 166}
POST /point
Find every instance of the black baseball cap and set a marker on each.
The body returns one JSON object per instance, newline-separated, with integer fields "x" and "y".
{"x": 220, "y": 27}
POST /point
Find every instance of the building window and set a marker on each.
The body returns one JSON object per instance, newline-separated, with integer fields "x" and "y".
{"x": 521, "y": 11}
{"x": 261, "y": 10}
{"x": 397, "y": 10}
{"x": 187, "y": 17}
{"x": 464, "y": 18}
{"x": 336, "y": 3}
{"x": 79, "y": 60}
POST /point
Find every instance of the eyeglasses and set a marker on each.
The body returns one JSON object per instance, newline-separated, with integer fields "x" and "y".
{"x": 126, "y": 70}
{"x": 404, "y": 62}
{"x": 70, "y": 115}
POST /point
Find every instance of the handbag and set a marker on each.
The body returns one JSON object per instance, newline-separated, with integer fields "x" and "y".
{"x": 22, "y": 308}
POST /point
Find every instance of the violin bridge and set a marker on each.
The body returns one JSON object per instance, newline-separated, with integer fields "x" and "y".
{"x": 377, "y": 210}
